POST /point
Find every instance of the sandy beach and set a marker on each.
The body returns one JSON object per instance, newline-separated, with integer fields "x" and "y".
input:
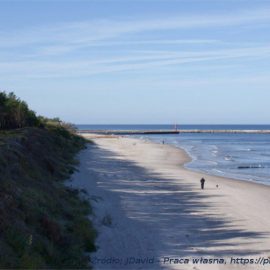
{"x": 151, "y": 213}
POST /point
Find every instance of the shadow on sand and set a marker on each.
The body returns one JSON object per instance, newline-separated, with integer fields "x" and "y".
{"x": 172, "y": 212}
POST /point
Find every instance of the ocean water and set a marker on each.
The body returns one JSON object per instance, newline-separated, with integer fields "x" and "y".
{"x": 238, "y": 156}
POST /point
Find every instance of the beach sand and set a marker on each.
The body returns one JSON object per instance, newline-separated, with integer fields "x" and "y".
{"x": 146, "y": 204}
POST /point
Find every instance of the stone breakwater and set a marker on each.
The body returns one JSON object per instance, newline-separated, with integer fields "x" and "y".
{"x": 178, "y": 131}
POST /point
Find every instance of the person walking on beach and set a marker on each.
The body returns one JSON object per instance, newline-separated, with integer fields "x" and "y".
{"x": 202, "y": 183}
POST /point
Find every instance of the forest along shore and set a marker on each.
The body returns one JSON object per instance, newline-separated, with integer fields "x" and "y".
{"x": 148, "y": 206}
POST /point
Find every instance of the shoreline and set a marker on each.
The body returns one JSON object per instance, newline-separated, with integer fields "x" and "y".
{"x": 236, "y": 177}
{"x": 147, "y": 204}
{"x": 191, "y": 159}
{"x": 186, "y": 157}
{"x": 185, "y": 166}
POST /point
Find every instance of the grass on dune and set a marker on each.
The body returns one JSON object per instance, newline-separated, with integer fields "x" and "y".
{"x": 43, "y": 223}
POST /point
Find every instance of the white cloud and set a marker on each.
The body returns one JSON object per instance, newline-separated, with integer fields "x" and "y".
{"x": 67, "y": 36}
{"x": 145, "y": 61}
{"x": 33, "y": 47}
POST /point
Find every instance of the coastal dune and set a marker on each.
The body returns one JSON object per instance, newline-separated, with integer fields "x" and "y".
{"x": 147, "y": 206}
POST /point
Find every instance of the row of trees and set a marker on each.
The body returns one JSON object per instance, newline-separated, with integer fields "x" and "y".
{"x": 15, "y": 113}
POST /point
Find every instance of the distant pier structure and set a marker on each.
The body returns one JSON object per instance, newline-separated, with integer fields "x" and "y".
{"x": 129, "y": 132}
{"x": 171, "y": 131}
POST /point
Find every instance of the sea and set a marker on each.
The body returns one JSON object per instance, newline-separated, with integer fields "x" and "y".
{"x": 238, "y": 156}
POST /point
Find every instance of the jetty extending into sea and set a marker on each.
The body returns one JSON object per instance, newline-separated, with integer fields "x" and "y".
{"x": 171, "y": 131}
{"x": 129, "y": 132}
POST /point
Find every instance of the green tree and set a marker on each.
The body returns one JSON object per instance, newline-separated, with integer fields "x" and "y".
{"x": 15, "y": 113}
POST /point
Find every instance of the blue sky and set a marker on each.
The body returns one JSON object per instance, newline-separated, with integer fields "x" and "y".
{"x": 139, "y": 61}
